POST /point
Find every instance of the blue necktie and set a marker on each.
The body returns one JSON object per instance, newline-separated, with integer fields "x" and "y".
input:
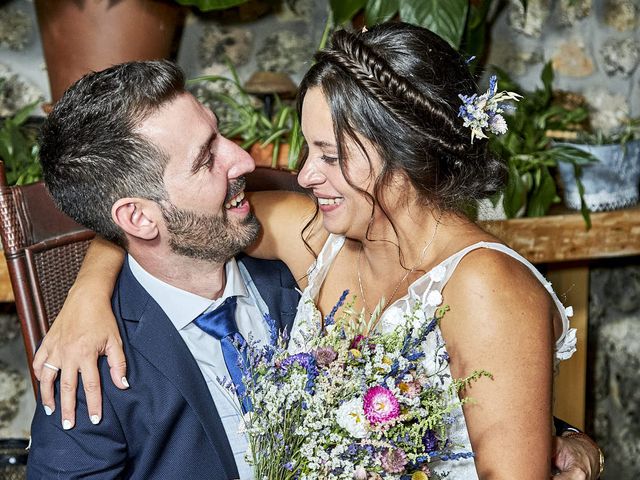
{"x": 221, "y": 324}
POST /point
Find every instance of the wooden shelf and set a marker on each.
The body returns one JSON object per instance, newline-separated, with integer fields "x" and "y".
{"x": 564, "y": 237}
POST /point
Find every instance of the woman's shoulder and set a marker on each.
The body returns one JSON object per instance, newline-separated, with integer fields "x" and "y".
{"x": 493, "y": 288}
{"x": 495, "y": 270}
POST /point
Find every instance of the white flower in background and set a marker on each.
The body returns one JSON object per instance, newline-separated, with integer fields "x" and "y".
{"x": 350, "y": 416}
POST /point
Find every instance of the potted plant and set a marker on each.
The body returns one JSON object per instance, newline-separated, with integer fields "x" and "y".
{"x": 465, "y": 24}
{"x": 19, "y": 148}
{"x": 79, "y": 36}
{"x": 274, "y": 130}
{"x": 531, "y": 154}
{"x": 613, "y": 181}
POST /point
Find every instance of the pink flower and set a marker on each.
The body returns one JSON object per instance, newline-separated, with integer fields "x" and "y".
{"x": 393, "y": 460}
{"x": 380, "y": 405}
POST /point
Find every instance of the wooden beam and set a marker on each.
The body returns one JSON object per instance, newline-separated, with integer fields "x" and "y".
{"x": 562, "y": 238}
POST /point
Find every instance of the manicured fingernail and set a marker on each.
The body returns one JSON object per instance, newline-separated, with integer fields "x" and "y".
{"x": 66, "y": 424}
{"x": 124, "y": 382}
{"x": 95, "y": 419}
{"x": 47, "y": 410}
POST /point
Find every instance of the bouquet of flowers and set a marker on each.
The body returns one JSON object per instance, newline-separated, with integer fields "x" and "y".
{"x": 355, "y": 403}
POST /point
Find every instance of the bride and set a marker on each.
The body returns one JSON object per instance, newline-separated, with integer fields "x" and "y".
{"x": 391, "y": 168}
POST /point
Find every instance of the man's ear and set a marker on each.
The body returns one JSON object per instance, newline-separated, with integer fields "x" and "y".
{"x": 137, "y": 217}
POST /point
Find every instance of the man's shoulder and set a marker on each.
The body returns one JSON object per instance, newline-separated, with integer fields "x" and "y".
{"x": 268, "y": 270}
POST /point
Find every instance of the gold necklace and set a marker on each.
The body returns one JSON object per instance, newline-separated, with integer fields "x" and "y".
{"x": 409, "y": 272}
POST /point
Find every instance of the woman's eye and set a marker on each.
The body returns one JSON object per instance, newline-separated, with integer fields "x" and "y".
{"x": 329, "y": 160}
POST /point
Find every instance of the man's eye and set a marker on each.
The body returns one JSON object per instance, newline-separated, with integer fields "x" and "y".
{"x": 208, "y": 163}
{"x": 329, "y": 160}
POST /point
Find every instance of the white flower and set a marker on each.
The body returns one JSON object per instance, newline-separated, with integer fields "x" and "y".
{"x": 350, "y": 416}
{"x": 498, "y": 125}
{"x": 434, "y": 298}
{"x": 437, "y": 273}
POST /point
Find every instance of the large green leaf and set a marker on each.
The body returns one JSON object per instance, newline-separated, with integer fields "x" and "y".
{"x": 446, "y": 18}
{"x": 543, "y": 196}
{"x": 514, "y": 193}
{"x": 378, "y": 11}
{"x": 207, "y": 5}
{"x": 344, "y": 10}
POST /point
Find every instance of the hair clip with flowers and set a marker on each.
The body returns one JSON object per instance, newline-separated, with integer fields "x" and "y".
{"x": 484, "y": 112}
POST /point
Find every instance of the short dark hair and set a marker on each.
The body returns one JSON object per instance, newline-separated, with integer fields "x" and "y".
{"x": 397, "y": 85}
{"x": 90, "y": 153}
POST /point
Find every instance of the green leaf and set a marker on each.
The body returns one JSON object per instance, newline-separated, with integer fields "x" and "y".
{"x": 584, "y": 209}
{"x": 378, "y": 11}
{"x": 446, "y": 18}
{"x": 207, "y": 5}
{"x": 543, "y": 196}
{"x": 344, "y": 10}
{"x": 21, "y": 115}
{"x": 514, "y": 193}
{"x": 547, "y": 81}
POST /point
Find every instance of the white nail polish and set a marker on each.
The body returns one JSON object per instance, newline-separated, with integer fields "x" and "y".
{"x": 125, "y": 382}
{"x": 66, "y": 424}
{"x": 95, "y": 419}
{"x": 47, "y": 410}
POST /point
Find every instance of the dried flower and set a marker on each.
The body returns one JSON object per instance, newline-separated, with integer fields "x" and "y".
{"x": 380, "y": 405}
{"x": 484, "y": 111}
{"x": 393, "y": 460}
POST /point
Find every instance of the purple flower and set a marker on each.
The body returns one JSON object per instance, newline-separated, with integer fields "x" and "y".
{"x": 306, "y": 361}
{"x": 325, "y": 355}
{"x": 430, "y": 441}
{"x": 380, "y": 405}
{"x": 393, "y": 460}
{"x": 357, "y": 340}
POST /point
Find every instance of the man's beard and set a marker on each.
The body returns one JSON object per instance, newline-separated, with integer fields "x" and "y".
{"x": 208, "y": 237}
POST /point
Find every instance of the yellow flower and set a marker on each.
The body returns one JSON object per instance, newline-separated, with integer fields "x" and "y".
{"x": 355, "y": 352}
{"x": 419, "y": 476}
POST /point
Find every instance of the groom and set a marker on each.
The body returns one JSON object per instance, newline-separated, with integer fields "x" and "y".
{"x": 116, "y": 158}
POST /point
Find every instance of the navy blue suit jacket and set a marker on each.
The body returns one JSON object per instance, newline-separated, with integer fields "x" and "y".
{"x": 166, "y": 425}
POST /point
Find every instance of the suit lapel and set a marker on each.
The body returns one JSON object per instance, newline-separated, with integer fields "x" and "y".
{"x": 157, "y": 340}
{"x": 277, "y": 288}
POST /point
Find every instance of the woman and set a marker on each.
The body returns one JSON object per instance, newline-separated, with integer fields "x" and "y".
{"x": 391, "y": 167}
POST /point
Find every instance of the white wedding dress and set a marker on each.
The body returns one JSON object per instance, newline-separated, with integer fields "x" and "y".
{"x": 425, "y": 289}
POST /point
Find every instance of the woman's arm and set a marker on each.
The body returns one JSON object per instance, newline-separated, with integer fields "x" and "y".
{"x": 283, "y": 215}
{"x": 501, "y": 320}
{"x": 84, "y": 329}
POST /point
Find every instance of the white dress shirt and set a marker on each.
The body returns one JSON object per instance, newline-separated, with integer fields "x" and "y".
{"x": 183, "y": 307}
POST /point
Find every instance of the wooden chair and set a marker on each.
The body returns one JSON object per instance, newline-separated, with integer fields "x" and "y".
{"x": 44, "y": 250}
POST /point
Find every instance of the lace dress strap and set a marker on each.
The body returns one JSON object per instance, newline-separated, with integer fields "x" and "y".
{"x": 318, "y": 270}
{"x": 566, "y": 344}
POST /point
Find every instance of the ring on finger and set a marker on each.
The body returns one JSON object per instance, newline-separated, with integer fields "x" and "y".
{"x": 52, "y": 367}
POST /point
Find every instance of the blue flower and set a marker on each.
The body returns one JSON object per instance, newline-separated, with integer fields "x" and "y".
{"x": 329, "y": 320}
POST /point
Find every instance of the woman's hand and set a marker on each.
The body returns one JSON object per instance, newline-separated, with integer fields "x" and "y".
{"x": 84, "y": 329}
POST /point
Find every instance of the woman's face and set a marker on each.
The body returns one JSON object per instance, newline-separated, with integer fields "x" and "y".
{"x": 345, "y": 210}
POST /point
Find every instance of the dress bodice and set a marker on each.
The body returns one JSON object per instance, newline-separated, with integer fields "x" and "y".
{"x": 426, "y": 290}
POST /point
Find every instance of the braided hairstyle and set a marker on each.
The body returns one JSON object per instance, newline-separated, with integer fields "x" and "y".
{"x": 397, "y": 85}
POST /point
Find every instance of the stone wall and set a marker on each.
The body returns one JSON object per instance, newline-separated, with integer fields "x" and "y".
{"x": 595, "y": 50}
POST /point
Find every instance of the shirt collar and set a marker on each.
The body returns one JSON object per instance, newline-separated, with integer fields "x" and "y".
{"x": 181, "y": 306}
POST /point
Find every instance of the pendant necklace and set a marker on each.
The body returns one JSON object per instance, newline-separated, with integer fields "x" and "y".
{"x": 405, "y": 276}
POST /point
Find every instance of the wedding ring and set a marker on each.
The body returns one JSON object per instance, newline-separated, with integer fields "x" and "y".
{"x": 52, "y": 367}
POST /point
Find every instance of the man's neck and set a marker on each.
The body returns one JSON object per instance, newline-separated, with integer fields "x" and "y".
{"x": 204, "y": 278}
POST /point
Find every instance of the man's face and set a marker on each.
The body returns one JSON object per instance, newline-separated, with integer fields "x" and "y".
{"x": 206, "y": 216}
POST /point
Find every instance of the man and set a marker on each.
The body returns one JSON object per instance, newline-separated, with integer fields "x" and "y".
{"x": 116, "y": 158}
